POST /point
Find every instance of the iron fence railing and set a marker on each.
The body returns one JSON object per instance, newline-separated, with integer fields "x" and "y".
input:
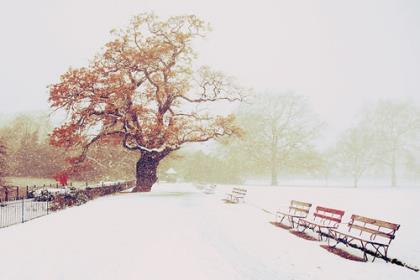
{"x": 20, "y": 211}
{"x": 40, "y": 201}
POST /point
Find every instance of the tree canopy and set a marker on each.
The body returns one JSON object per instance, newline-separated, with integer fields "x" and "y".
{"x": 141, "y": 91}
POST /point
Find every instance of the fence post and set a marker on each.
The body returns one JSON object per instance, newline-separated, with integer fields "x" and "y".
{"x": 7, "y": 194}
{"x": 27, "y": 191}
{"x": 23, "y": 210}
{"x": 17, "y": 192}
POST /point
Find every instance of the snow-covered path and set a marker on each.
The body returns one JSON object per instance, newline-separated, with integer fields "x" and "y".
{"x": 171, "y": 233}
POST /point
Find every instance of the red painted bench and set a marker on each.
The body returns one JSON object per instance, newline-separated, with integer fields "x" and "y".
{"x": 323, "y": 220}
{"x": 366, "y": 233}
{"x": 297, "y": 210}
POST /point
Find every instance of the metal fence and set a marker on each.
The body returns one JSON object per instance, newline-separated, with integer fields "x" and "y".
{"x": 20, "y": 211}
{"x": 16, "y": 207}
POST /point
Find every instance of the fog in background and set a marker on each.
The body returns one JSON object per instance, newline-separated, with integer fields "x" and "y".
{"x": 342, "y": 57}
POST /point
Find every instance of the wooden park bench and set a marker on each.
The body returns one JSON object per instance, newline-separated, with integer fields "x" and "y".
{"x": 323, "y": 220}
{"x": 297, "y": 210}
{"x": 236, "y": 195}
{"x": 209, "y": 189}
{"x": 366, "y": 233}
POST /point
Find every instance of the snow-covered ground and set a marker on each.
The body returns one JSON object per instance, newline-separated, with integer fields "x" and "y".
{"x": 177, "y": 232}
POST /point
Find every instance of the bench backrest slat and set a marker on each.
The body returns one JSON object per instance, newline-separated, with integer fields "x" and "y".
{"x": 375, "y": 222}
{"x": 373, "y": 227}
{"x": 330, "y": 210}
{"x": 325, "y": 217}
{"x": 239, "y": 192}
{"x": 328, "y": 214}
{"x": 300, "y": 203}
{"x": 298, "y": 207}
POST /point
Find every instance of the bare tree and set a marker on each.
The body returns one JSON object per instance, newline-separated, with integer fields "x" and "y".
{"x": 355, "y": 152}
{"x": 323, "y": 164}
{"x": 397, "y": 130}
{"x": 277, "y": 127}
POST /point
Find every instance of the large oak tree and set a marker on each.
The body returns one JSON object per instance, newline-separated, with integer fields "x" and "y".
{"x": 141, "y": 91}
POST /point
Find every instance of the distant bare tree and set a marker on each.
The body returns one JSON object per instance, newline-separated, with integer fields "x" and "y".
{"x": 397, "y": 129}
{"x": 277, "y": 127}
{"x": 323, "y": 164}
{"x": 355, "y": 153}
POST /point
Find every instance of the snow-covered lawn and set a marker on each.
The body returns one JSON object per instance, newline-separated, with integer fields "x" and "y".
{"x": 177, "y": 232}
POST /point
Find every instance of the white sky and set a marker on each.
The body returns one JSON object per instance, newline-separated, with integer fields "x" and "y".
{"x": 340, "y": 54}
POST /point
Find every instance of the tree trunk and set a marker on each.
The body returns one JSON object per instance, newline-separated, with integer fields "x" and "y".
{"x": 146, "y": 171}
{"x": 355, "y": 181}
{"x": 394, "y": 170}
{"x": 274, "y": 141}
{"x": 274, "y": 181}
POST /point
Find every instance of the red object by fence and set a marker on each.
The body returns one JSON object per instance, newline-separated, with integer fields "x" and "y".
{"x": 62, "y": 179}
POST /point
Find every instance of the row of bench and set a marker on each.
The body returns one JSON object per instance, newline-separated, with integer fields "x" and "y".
{"x": 236, "y": 195}
{"x": 360, "y": 232}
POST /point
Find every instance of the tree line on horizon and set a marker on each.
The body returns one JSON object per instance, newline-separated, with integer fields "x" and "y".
{"x": 280, "y": 140}
{"x": 279, "y": 136}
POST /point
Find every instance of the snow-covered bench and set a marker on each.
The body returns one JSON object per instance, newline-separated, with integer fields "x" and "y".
{"x": 323, "y": 220}
{"x": 236, "y": 195}
{"x": 297, "y": 210}
{"x": 366, "y": 233}
{"x": 209, "y": 189}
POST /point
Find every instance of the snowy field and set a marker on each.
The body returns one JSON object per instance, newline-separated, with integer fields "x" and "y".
{"x": 177, "y": 232}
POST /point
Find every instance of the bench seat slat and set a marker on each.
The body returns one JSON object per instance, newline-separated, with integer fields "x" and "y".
{"x": 299, "y": 209}
{"x": 317, "y": 224}
{"x": 291, "y": 215}
{"x": 354, "y": 236}
{"x": 373, "y": 231}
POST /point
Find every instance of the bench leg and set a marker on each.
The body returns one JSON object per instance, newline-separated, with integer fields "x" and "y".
{"x": 292, "y": 222}
{"x": 301, "y": 225}
{"x": 365, "y": 257}
{"x": 281, "y": 220}
{"x": 334, "y": 237}
{"x": 319, "y": 232}
{"x": 386, "y": 253}
{"x": 378, "y": 252}
{"x": 336, "y": 242}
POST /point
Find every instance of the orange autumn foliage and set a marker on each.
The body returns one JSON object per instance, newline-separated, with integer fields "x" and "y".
{"x": 142, "y": 92}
